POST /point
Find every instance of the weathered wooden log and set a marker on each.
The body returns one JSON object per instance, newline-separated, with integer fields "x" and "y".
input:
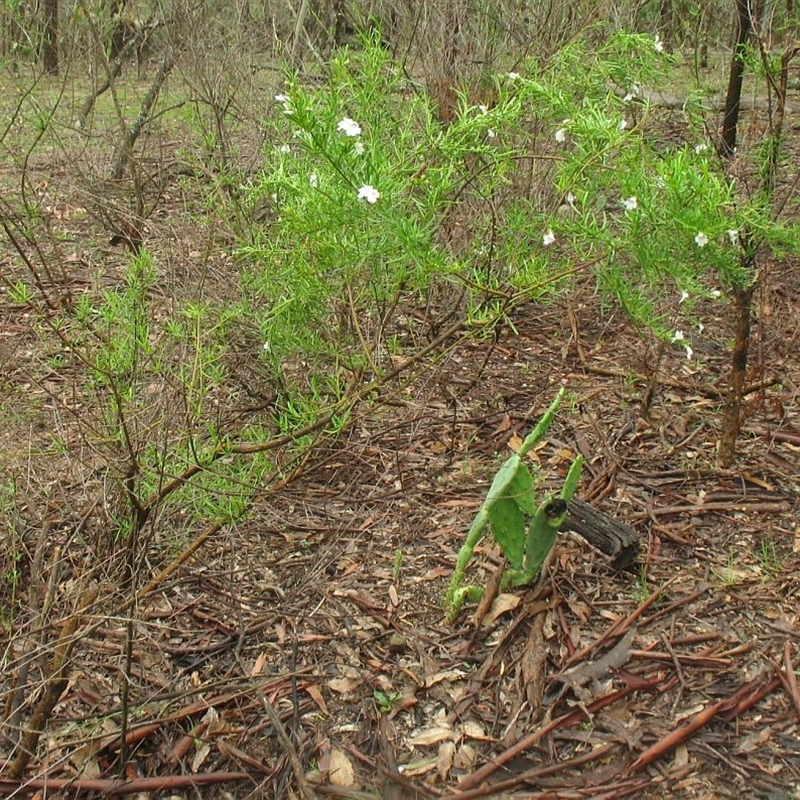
{"x": 608, "y": 535}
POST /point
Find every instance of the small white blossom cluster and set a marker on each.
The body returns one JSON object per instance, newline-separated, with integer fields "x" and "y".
{"x": 368, "y": 193}
{"x": 701, "y": 239}
{"x": 490, "y": 132}
{"x": 678, "y": 336}
{"x": 349, "y": 127}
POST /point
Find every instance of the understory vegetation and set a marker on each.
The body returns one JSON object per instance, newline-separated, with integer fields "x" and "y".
{"x": 220, "y": 268}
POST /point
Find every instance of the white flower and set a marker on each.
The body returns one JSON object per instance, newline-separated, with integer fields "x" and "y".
{"x": 700, "y": 327}
{"x": 623, "y": 123}
{"x": 733, "y": 237}
{"x": 701, "y": 240}
{"x": 684, "y": 296}
{"x": 561, "y": 136}
{"x": 368, "y": 193}
{"x": 630, "y": 203}
{"x": 689, "y": 351}
{"x": 716, "y": 293}
{"x": 658, "y": 44}
{"x": 700, "y": 148}
{"x": 267, "y": 347}
{"x": 570, "y": 198}
{"x": 512, "y": 76}
{"x": 490, "y": 134}
{"x": 349, "y": 127}
{"x": 548, "y": 238}
{"x": 313, "y": 179}
{"x": 358, "y": 148}
{"x": 285, "y": 101}
{"x": 678, "y": 336}
{"x": 284, "y": 148}
{"x": 632, "y": 94}
{"x": 483, "y": 109}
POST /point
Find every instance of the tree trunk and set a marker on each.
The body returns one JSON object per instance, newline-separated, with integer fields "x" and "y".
{"x": 732, "y": 416}
{"x": 742, "y": 294}
{"x": 666, "y": 25}
{"x": 50, "y": 36}
{"x": 733, "y": 99}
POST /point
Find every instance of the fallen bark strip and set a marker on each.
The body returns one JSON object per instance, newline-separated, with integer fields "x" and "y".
{"x": 576, "y": 677}
{"x": 683, "y": 659}
{"x": 574, "y": 717}
{"x": 743, "y": 698}
{"x": 790, "y": 677}
{"x": 116, "y": 787}
{"x": 791, "y": 437}
{"x": 763, "y": 507}
{"x": 621, "y": 627}
{"x": 675, "y": 737}
{"x": 531, "y": 775}
{"x": 138, "y": 732}
{"x": 759, "y": 691}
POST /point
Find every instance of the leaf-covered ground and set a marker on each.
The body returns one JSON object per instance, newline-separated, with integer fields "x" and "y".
{"x": 314, "y": 630}
{"x": 303, "y": 652}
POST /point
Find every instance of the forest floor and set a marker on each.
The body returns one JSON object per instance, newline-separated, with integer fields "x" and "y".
{"x": 303, "y": 651}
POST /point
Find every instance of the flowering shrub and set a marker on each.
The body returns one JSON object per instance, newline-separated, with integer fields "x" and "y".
{"x": 657, "y": 223}
{"x": 362, "y": 180}
{"x": 375, "y": 201}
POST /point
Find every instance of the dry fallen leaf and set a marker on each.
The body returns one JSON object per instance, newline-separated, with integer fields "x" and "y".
{"x": 502, "y": 604}
{"x": 430, "y": 736}
{"x": 444, "y": 760}
{"x": 341, "y": 772}
{"x": 315, "y": 694}
{"x": 200, "y": 756}
{"x": 465, "y": 757}
{"x": 393, "y": 596}
{"x": 344, "y": 685}
{"x": 417, "y": 768}
{"x": 258, "y": 666}
{"x": 445, "y": 675}
{"x": 474, "y": 730}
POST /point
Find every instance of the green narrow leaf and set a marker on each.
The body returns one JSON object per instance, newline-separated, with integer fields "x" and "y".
{"x": 520, "y": 490}
{"x": 508, "y": 503}
{"x": 508, "y": 528}
{"x": 506, "y": 475}
{"x": 572, "y": 480}
{"x": 542, "y": 533}
{"x": 544, "y": 423}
